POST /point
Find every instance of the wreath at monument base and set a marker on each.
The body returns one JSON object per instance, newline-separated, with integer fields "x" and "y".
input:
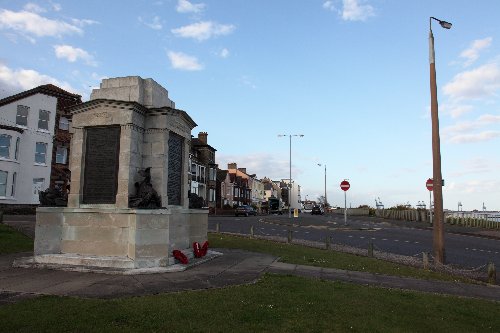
{"x": 200, "y": 251}
{"x": 180, "y": 256}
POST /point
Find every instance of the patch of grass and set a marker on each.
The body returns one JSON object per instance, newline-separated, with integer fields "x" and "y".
{"x": 12, "y": 241}
{"x": 277, "y": 303}
{"x": 301, "y": 255}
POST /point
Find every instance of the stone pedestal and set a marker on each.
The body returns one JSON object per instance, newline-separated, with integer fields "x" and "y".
{"x": 118, "y": 238}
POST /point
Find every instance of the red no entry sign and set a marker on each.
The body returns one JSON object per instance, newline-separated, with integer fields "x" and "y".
{"x": 429, "y": 184}
{"x": 344, "y": 185}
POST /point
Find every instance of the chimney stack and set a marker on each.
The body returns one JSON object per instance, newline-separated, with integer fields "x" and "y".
{"x": 202, "y": 136}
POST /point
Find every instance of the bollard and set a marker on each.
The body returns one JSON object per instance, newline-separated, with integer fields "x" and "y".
{"x": 327, "y": 242}
{"x": 492, "y": 273}
{"x": 217, "y": 227}
{"x": 251, "y": 231}
{"x": 370, "y": 249}
{"x": 425, "y": 259}
{"x": 289, "y": 235}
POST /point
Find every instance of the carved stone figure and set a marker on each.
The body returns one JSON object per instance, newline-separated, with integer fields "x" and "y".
{"x": 53, "y": 196}
{"x": 145, "y": 196}
{"x": 195, "y": 201}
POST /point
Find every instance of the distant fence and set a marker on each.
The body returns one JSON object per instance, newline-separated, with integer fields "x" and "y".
{"x": 419, "y": 215}
{"x": 353, "y": 211}
{"x": 480, "y": 220}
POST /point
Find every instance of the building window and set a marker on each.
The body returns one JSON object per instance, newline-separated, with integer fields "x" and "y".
{"x": 3, "y": 183}
{"x": 13, "y": 189}
{"x": 63, "y": 123}
{"x": 40, "y": 153}
{"x": 16, "y": 154}
{"x": 22, "y": 115}
{"x": 61, "y": 155}
{"x": 43, "y": 120}
{"x": 211, "y": 194}
{"x": 5, "y": 145}
{"x": 212, "y": 174}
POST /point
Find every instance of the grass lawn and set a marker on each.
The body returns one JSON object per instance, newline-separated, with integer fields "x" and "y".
{"x": 12, "y": 241}
{"x": 277, "y": 303}
{"x": 302, "y": 255}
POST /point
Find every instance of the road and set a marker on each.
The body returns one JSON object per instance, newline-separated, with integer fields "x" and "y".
{"x": 463, "y": 247}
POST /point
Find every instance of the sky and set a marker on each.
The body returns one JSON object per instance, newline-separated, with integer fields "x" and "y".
{"x": 352, "y": 76}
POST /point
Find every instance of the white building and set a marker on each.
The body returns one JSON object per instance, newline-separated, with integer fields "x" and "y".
{"x": 27, "y": 128}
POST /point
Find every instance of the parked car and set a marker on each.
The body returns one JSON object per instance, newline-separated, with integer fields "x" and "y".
{"x": 317, "y": 210}
{"x": 245, "y": 211}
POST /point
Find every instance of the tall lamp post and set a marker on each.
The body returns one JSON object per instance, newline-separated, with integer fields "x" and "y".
{"x": 290, "y": 180}
{"x": 319, "y": 164}
{"x": 438, "y": 230}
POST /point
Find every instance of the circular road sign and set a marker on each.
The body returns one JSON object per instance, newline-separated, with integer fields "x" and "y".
{"x": 344, "y": 185}
{"x": 429, "y": 184}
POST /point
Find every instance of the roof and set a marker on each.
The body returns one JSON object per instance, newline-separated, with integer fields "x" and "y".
{"x": 221, "y": 174}
{"x": 197, "y": 142}
{"x": 46, "y": 89}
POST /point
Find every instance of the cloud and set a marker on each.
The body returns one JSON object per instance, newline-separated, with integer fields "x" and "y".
{"x": 13, "y": 81}
{"x": 33, "y": 7}
{"x": 472, "y": 53}
{"x": 245, "y": 80}
{"x": 476, "y": 137}
{"x": 224, "y": 53}
{"x": 155, "y": 24}
{"x": 329, "y": 5}
{"x": 73, "y": 54}
{"x": 182, "y": 61}
{"x": 25, "y": 22}
{"x": 203, "y": 30}
{"x": 478, "y": 83}
{"x": 474, "y": 166}
{"x": 184, "y": 6}
{"x": 464, "y": 132}
{"x": 56, "y": 7}
{"x": 456, "y": 111}
{"x": 487, "y": 186}
{"x": 83, "y": 22}
{"x": 258, "y": 163}
{"x": 353, "y": 10}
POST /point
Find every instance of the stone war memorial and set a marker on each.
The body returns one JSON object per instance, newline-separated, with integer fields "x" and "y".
{"x": 127, "y": 208}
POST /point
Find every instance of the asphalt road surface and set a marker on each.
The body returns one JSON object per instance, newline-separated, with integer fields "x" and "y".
{"x": 464, "y": 247}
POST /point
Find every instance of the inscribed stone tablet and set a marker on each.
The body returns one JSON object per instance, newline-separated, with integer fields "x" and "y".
{"x": 102, "y": 150}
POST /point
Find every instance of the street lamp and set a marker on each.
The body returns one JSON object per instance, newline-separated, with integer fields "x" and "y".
{"x": 438, "y": 230}
{"x": 319, "y": 164}
{"x": 290, "y": 180}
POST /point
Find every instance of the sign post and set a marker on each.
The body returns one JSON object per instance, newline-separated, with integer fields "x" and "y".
{"x": 344, "y": 185}
{"x": 430, "y": 186}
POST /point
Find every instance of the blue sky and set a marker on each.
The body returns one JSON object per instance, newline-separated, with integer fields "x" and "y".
{"x": 352, "y": 76}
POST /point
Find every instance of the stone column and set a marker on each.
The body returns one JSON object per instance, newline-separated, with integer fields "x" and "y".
{"x": 76, "y": 167}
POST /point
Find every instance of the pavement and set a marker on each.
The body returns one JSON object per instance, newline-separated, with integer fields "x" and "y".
{"x": 234, "y": 267}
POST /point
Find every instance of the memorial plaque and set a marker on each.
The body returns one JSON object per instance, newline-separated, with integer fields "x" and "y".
{"x": 102, "y": 151}
{"x": 174, "y": 184}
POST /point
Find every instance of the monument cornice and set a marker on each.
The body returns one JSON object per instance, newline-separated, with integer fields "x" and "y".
{"x": 173, "y": 112}
{"x": 114, "y": 104}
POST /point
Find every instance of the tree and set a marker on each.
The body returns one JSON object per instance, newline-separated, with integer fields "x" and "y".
{"x": 322, "y": 201}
